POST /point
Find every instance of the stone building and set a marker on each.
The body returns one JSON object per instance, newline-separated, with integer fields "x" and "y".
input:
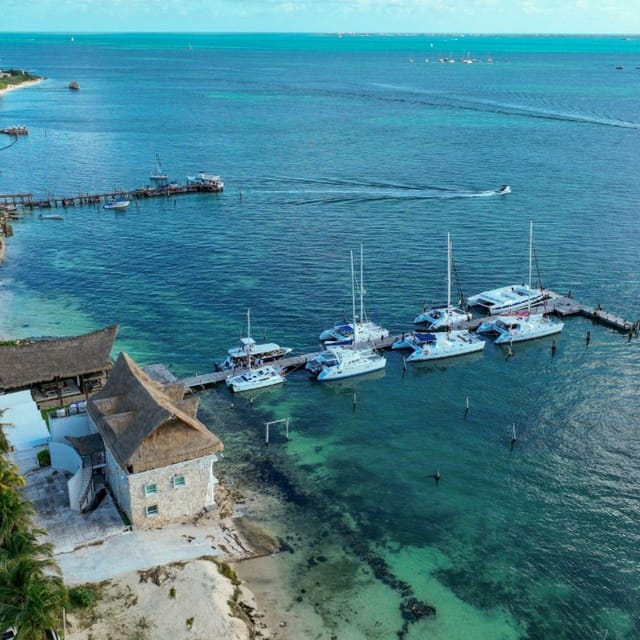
{"x": 158, "y": 457}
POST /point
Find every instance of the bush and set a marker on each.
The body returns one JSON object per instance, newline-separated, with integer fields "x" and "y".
{"x": 44, "y": 458}
{"x": 82, "y": 597}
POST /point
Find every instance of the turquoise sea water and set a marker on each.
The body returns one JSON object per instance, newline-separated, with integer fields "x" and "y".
{"x": 325, "y": 143}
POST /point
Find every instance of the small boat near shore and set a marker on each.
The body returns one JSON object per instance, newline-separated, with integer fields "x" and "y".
{"x": 249, "y": 351}
{"x": 51, "y": 216}
{"x": 118, "y": 204}
{"x": 255, "y": 379}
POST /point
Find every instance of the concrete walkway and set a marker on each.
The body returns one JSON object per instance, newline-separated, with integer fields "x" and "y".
{"x": 98, "y": 545}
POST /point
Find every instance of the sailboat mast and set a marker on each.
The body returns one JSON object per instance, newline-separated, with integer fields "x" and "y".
{"x": 249, "y": 336}
{"x": 353, "y": 300}
{"x": 361, "y": 285}
{"x": 448, "y": 271}
{"x": 530, "y": 250}
{"x": 530, "y": 258}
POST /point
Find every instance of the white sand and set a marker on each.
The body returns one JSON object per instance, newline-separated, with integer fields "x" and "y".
{"x": 23, "y": 85}
{"x": 190, "y": 602}
{"x": 183, "y": 558}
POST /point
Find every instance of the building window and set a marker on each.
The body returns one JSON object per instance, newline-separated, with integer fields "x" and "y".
{"x": 150, "y": 489}
{"x": 152, "y": 510}
{"x": 179, "y": 481}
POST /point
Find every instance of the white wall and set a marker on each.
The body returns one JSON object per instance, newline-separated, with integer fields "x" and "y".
{"x": 29, "y": 428}
{"x": 76, "y": 425}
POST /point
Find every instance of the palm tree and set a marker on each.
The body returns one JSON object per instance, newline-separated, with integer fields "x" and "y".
{"x": 4, "y": 441}
{"x": 15, "y": 514}
{"x": 10, "y": 478}
{"x": 24, "y": 543}
{"x": 32, "y": 594}
{"x": 31, "y": 601}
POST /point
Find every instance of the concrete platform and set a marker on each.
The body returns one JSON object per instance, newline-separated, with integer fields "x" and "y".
{"x": 67, "y": 529}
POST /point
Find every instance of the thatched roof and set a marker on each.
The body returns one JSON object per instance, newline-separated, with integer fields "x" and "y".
{"x": 33, "y": 361}
{"x": 147, "y": 425}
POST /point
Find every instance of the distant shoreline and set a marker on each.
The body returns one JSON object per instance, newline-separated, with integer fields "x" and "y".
{"x": 22, "y": 85}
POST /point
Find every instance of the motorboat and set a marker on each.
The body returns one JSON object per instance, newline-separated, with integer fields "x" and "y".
{"x": 340, "y": 362}
{"x": 503, "y": 190}
{"x": 506, "y": 299}
{"x": 447, "y": 345}
{"x": 520, "y": 327}
{"x": 117, "y": 203}
{"x": 524, "y": 325}
{"x": 251, "y": 379}
{"x": 207, "y": 181}
{"x": 249, "y": 351}
{"x": 345, "y": 361}
{"x": 409, "y": 340}
{"x": 445, "y": 316}
{"x": 342, "y": 333}
{"x": 51, "y": 216}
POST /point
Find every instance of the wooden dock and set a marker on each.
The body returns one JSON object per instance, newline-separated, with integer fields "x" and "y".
{"x": 18, "y": 130}
{"x": 556, "y": 304}
{"x": 26, "y": 201}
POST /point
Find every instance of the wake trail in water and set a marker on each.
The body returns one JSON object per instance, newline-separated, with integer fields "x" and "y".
{"x": 338, "y": 190}
{"x": 505, "y": 109}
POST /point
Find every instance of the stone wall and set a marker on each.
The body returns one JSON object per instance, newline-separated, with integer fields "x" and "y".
{"x": 173, "y": 494}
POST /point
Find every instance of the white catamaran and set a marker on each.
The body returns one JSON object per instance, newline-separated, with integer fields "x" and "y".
{"x": 346, "y": 361}
{"x": 445, "y": 317}
{"x": 521, "y": 326}
{"x": 365, "y": 331}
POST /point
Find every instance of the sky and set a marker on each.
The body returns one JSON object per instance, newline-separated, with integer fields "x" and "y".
{"x": 326, "y": 16}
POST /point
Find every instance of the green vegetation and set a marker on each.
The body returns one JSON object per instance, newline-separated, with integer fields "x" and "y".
{"x": 8, "y": 343}
{"x": 31, "y": 591}
{"x": 14, "y": 77}
{"x": 228, "y": 573}
{"x": 82, "y": 597}
{"x": 44, "y": 458}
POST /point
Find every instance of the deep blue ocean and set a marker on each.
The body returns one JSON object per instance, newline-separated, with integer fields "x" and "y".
{"x": 326, "y": 143}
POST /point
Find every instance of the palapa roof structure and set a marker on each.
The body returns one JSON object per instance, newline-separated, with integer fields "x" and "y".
{"x": 34, "y": 361}
{"x": 147, "y": 425}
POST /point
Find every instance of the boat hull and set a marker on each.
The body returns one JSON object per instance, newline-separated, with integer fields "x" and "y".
{"x": 530, "y": 331}
{"x": 255, "y": 379}
{"x": 456, "y": 343}
{"x": 441, "y": 318}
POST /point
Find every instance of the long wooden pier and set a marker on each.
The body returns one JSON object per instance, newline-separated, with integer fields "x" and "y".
{"x": 556, "y": 304}
{"x": 26, "y": 201}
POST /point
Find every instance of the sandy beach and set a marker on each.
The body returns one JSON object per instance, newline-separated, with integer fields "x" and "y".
{"x": 22, "y": 85}
{"x": 177, "y": 581}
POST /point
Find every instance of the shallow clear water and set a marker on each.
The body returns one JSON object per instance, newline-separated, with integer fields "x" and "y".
{"x": 325, "y": 143}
